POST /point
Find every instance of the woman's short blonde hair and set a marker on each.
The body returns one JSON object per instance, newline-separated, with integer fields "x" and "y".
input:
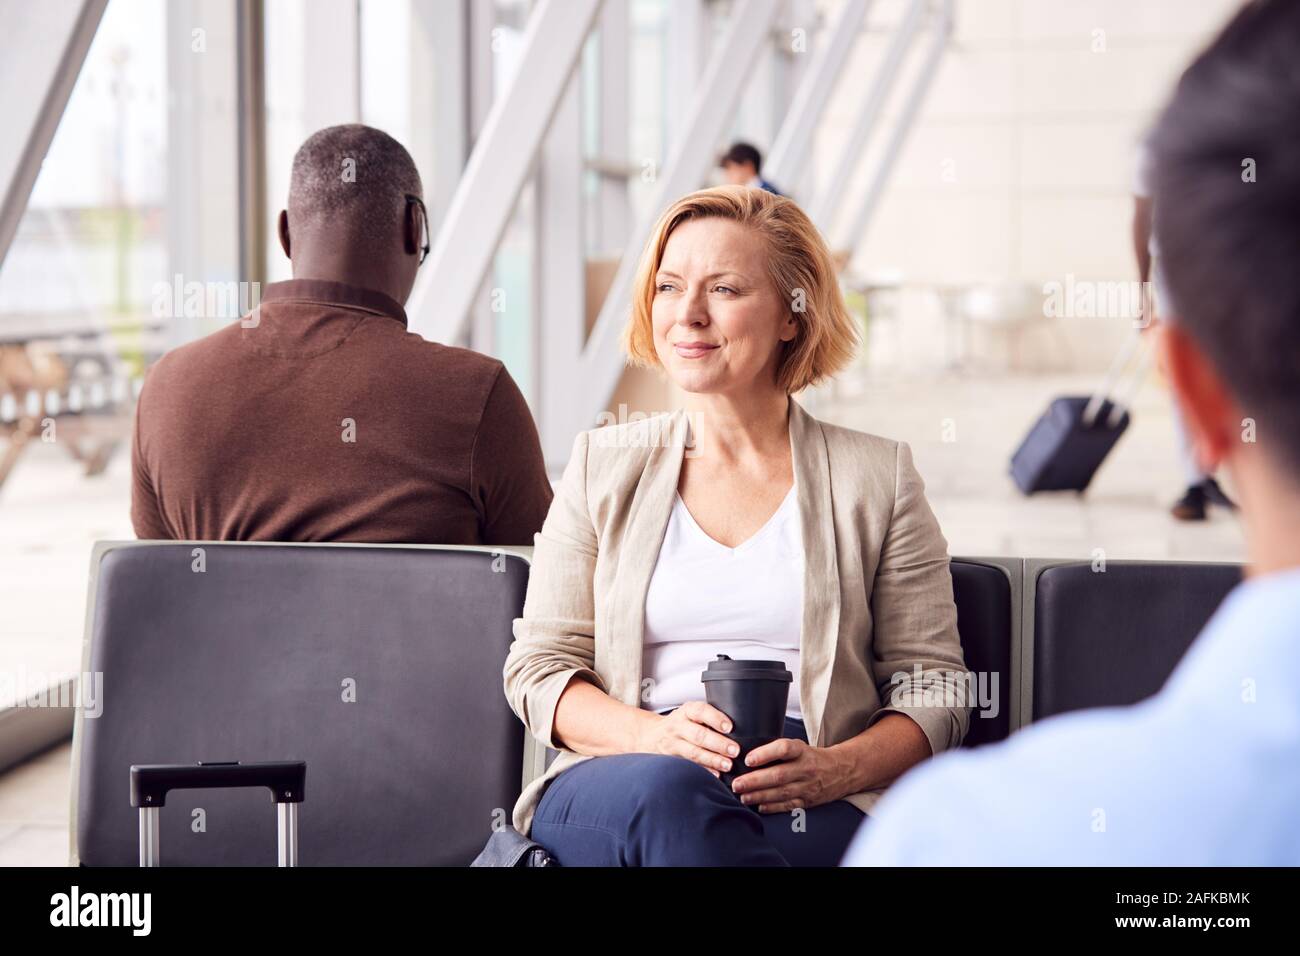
{"x": 798, "y": 263}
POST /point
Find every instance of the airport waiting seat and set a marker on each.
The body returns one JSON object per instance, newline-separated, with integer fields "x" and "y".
{"x": 380, "y": 666}
{"x": 984, "y": 598}
{"x": 1113, "y": 637}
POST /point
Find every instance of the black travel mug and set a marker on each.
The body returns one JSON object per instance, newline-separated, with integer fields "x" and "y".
{"x": 753, "y": 694}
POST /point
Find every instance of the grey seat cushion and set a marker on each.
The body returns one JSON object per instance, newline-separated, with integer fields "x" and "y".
{"x": 1112, "y": 638}
{"x": 252, "y": 660}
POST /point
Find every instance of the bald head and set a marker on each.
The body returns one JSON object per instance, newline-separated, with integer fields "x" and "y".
{"x": 348, "y": 217}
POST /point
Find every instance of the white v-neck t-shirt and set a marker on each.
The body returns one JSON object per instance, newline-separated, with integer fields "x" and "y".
{"x": 707, "y": 599}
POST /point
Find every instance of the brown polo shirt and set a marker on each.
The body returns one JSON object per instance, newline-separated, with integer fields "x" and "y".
{"x": 319, "y": 417}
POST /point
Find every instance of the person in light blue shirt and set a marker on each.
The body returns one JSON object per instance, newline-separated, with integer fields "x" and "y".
{"x": 1206, "y": 772}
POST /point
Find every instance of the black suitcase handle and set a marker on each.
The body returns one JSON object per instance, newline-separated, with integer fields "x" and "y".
{"x": 150, "y": 783}
{"x": 286, "y": 779}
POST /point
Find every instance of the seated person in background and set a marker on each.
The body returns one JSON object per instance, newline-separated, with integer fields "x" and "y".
{"x": 319, "y": 417}
{"x": 1206, "y": 772}
{"x": 776, "y": 537}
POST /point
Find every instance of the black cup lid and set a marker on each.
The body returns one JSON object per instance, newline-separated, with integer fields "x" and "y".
{"x": 724, "y": 668}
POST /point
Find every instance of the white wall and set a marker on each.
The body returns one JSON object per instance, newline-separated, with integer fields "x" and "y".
{"x": 1020, "y": 165}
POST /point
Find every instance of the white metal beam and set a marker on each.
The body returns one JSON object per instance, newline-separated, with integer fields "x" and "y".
{"x": 830, "y": 197}
{"x": 440, "y": 103}
{"x": 791, "y": 65}
{"x": 614, "y": 209}
{"x": 559, "y": 319}
{"x": 789, "y": 154}
{"x": 688, "y": 32}
{"x": 916, "y": 96}
{"x": 331, "y": 64}
{"x": 480, "y": 331}
{"x": 203, "y": 167}
{"x": 41, "y": 53}
{"x": 481, "y": 21}
{"x": 502, "y": 158}
{"x": 710, "y": 113}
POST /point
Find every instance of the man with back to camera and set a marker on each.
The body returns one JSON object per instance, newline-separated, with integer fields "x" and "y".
{"x": 1206, "y": 772}
{"x": 319, "y": 417}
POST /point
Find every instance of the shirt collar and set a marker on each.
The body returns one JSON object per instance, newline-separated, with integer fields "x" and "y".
{"x": 339, "y": 294}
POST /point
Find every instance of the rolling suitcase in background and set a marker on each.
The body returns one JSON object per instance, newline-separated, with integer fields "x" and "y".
{"x": 1069, "y": 442}
{"x": 150, "y": 784}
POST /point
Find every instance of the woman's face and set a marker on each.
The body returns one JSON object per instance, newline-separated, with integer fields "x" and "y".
{"x": 718, "y": 319}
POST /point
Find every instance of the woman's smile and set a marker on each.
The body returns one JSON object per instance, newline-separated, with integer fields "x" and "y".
{"x": 692, "y": 350}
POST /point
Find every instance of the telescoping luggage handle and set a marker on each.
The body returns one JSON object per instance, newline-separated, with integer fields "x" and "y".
{"x": 1113, "y": 377}
{"x": 286, "y": 779}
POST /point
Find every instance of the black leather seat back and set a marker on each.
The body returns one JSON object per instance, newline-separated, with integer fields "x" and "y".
{"x": 378, "y": 666}
{"x": 1113, "y": 637}
{"x": 983, "y": 596}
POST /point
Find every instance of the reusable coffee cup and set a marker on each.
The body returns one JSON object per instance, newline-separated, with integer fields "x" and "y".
{"x": 753, "y": 694}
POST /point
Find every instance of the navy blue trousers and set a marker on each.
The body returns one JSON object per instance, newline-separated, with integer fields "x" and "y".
{"x": 655, "y": 810}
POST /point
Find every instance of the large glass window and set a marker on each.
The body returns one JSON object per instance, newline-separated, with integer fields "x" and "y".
{"x": 410, "y": 55}
{"x": 512, "y": 300}
{"x": 92, "y": 240}
{"x": 77, "y": 328}
{"x": 286, "y": 116}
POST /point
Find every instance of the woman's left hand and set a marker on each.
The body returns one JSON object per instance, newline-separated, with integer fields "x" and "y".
{"x": 805, "y": 777}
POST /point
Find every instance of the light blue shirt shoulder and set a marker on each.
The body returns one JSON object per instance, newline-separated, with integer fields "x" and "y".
{"x": 1206, "y": 772}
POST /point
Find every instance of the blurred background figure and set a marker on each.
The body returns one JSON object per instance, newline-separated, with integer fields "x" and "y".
{"x": 742, "y": 165}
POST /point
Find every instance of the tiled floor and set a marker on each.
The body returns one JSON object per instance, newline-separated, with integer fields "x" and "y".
{"x": 34, "y": 811}
{"x": 962, "y": 431}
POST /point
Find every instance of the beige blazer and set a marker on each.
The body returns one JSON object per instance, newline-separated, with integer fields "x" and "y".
{"x": 879, "y": 623}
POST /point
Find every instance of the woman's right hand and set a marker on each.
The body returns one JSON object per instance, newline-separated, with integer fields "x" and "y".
{"x": 694, "y": 731}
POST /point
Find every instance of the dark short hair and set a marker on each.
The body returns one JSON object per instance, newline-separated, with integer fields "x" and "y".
{"x": 355, "y": 178}
{"x": 743, "y": 153}
{"x": 1227, "y": 214}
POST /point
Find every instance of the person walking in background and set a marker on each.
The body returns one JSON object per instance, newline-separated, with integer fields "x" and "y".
{"x": 742, "y": 165}
{"x": 319, "y": 416}
{"x": 1202, "y": 488}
